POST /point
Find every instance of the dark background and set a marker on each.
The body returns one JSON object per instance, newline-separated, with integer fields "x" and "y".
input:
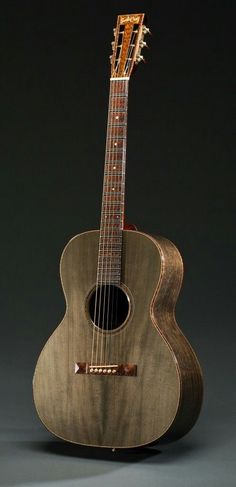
{"x": 180, "y": 179}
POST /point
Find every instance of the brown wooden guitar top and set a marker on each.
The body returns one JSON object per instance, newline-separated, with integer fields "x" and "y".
{"x": 164, "y": 397}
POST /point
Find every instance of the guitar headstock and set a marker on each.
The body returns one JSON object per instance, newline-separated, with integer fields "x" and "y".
{"x": 127, "y": 45}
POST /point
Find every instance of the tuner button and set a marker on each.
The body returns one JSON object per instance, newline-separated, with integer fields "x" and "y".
{"x": 113, "y": 45}
{"x": 146, "y": 30}
{"x": 139, "y": 58}
{"x": 143, "y": 44}
{"x": 114, "y": 31}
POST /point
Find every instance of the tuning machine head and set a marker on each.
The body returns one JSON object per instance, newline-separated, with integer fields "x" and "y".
{"x": 139, "y": 58}
{"x": 143, "y": 44}
{"x": 146, "y": 30}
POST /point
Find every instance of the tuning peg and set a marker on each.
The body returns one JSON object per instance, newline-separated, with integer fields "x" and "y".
{"x": 146, "y": 30}
{"x": 139, "y": 58}
{"x": 114, "y": 31}
{"x": 143, "y": 44}
{"x": 111, "y": 56}
{"x": 113, "y": 45}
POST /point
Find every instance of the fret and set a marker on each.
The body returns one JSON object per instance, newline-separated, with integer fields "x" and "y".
{"x": 108, "y": 234}
{"x": 119, "y": 110}
{"x": 113, "y": 202}
{"x": 105, "y": 253}
{"x": 112, "y": 280}
{"x": 108, "y": 248}
{"x": 113, "y": 192}
{"x": 119, "y": 95}
{"x": 117, "y": 212}
{"x": 114, "y": 163}
{"x": 111, "y": 196}
{"x": 117, "y": 137}
{"x": 104, "y": 273}
{"x": 116, "y": 178}
{"x": 110, "y": 240}
{"x": 114, "y": 183}
{"x": 109, "y": 173}
{"x": 102, "y": 232}
{"x": 113, "y": 124}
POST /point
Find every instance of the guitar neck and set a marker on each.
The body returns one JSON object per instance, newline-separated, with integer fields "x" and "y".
{"x": 113, "y": 199}
{"x": 127, "y": 45}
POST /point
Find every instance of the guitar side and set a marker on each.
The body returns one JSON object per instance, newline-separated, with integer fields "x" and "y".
{"x": 164, "y": 400}
{"x": 163, "y": 314}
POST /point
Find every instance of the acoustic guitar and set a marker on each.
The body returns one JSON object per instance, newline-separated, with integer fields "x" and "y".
{"x": 117, "y": 372}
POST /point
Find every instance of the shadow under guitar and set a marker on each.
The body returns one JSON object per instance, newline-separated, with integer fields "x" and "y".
{"x": 160, "y": 453}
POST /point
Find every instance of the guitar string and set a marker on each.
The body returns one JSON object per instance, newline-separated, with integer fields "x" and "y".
{"x": 110, "y": 218}
{"x": 115, "y": 181}
{"x": 100, "y": 267}
{"x": 109, "y": 235}
{"x": 96, "y": 316}
{"x": 123, "y": 88}
{"x": 115, "y": 291}
{"x": 124, "y": 91}
{"x": 109, "y": 185}
{"x": 112, "y": 247}
{"x": 105, "y": 229}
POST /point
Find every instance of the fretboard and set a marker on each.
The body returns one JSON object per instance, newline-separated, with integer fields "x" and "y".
{"x": 113, "y": 199}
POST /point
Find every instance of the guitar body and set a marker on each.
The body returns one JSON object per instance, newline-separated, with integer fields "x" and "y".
{"x": 163, "y": 399}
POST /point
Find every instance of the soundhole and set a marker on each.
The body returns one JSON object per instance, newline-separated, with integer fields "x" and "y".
{"x": 108, "y": 307}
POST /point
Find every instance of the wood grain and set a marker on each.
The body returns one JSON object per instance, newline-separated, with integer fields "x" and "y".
{"x": 164, "y": 399}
